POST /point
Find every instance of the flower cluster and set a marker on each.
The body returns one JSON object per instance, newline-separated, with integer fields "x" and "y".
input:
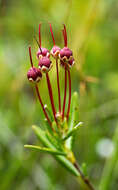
{"x": 65, "y": 57}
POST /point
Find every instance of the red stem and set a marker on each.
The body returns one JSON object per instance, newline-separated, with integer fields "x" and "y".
{"x": 51, "y": 96}
{"x": 40, "y": 34}
{"x": 52, "y": 34}
{"x": 39, "y": 97}
{"x": 59, "y": 96}
{"x": 30, "y": 56}
{"x": 65, "y": 35}
{"x": 64, "y": 101}
{"x": 69, "y": 101}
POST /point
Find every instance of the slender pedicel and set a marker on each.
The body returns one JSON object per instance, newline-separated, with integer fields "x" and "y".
{"x": 66, "y": 60}
{"x": 65, "y": 35}
{"x": 64, "y": 101}
{"x": 42, "y": 52}
{"x": 69, "y": 101}
{"x": 40, "y": 35}
{"x": 55, "y": 53}
{"x": 45, "y": 65}
{"x": 40, "y": 100}
{"x": 52, "y": 34}
{"x": 66, "y": 54}
{"x": 58, "y": 85}
{"x": 30, "y": 56}
{"x": 51, "y": 96}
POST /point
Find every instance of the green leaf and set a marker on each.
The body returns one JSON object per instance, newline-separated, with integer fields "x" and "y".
{"x": 54, "y": 140}
{"x": 84, "y": 169}
{"x": 55, "y": 127}
{"x": 72, "y": 132}
{"x": 67, "y": 164}
{"x": 62, "y": 159}
{"x": 48, "y": 127}
{"x": 43, "y": 149}
{"x": 74, "y": 117}
{"x": 42, "y": 136}
{"x": 74, "y": 112}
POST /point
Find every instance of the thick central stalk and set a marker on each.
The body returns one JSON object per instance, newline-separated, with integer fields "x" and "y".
{"x": 40, "y": 100}
{"x": 64, "y": 101}
{"x": 51, "y": 96}
{"x": 69, "y": 101}
{"x": 59, "y": 96}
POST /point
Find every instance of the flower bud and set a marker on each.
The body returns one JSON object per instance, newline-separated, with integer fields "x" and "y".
{"x": 43, "y": 52}
{"x": 55, "y": 51}
{"x": 45, "y": 64}
{"x": 34, "y": 74}
{"x": 66, "y": 54}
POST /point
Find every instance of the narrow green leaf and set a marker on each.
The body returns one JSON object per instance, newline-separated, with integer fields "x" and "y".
{"x": 44, "y": 149}
{"x": 63, "y": 160}
{"x": 74, "y": 117}
{"x": 84, "y": 169}
{"x": 71, "y": 132}
{"x": 74, "y": 112}
{"x": 54, "y": 125}
{"x": 67, "y": 164}
{"x": 42, "y": 136}
{"x": 54, "y": 140}
{"x": 48, "y": 127}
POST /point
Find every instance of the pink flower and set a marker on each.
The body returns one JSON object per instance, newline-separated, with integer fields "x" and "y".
{"x": 34, "y": 74}
{"x": 45, "y": 64}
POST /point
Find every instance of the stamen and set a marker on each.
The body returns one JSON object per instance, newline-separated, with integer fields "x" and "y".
{"x": 65, "y": 35}
{"x": 69, "y": 101}
{"x": 40, "y": 100}
{"x": 64, "y": 101}
{"x": 59, "y": 96}
{"x": 51, "y": 96}
{"x": 52, "y": 34}
{"x": 40, "y": 34}
{"x": 30, "y": 56}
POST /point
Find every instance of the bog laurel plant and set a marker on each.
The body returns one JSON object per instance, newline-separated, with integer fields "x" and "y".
{"x": 60, "y": 130}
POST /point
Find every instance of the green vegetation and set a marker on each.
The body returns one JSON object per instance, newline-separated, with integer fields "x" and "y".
{"x": 92, "y": 34}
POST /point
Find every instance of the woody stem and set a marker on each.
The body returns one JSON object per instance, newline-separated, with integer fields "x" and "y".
{"x": 83, "y": 181}
{"x": 64, "y": 101}
{"x": 59, "y": 96}
{"x": 51, "y": 96}
{"x": 40, "y": 100}
{"x": 69, "y": 101}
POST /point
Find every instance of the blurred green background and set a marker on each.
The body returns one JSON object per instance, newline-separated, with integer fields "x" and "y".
{"x": 92, "y": 27}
